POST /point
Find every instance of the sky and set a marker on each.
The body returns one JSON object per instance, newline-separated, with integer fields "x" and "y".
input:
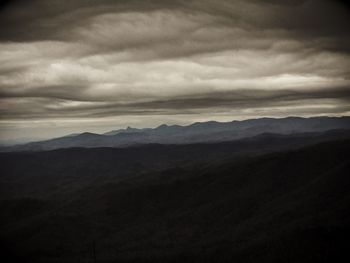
{"x": 72, "y": 66}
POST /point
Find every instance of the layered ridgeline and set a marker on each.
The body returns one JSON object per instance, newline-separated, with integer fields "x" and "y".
{"x": 200, "y": 132}
{"x": 218, "y": 202}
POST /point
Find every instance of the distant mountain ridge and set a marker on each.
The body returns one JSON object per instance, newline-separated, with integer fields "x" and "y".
{"x": 199, "y": 132}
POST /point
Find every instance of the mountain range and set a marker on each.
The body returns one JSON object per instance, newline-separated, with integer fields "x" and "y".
{"x": 262, "y": 190}
{"x": 268, "y": 198}
{"x": 199, "y": 132}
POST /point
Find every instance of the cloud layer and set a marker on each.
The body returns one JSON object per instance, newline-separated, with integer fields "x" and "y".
{"x": 76, "y": 64}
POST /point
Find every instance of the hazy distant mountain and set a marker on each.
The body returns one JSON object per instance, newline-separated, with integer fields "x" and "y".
{"x": 198, "y": 132}
{"x": 127, "y": 130}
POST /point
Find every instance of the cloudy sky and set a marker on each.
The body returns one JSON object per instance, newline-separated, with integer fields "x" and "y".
{"x": 83, "y": 65}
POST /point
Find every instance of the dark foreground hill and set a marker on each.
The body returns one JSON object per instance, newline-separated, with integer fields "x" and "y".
{"x": 153, "y": 204}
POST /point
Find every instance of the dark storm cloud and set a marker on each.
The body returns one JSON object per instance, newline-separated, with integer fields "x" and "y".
{"x": 52, "y": 107}
{"x": 86, "y": 59}
{"x": 37, "y": 20}
{"x": 49, "y": 20}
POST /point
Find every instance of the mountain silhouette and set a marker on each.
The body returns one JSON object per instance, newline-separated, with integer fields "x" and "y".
{"x": 270, "y": 198}
{"x": 200, "y": 132}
